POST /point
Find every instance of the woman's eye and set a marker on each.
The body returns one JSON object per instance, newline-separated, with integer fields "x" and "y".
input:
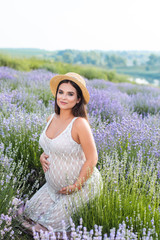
{"x": 70, "y": 94}
{"x": 60, "y": 92}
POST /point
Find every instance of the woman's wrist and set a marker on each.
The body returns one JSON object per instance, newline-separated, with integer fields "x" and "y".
{"x": 77, "y": 186}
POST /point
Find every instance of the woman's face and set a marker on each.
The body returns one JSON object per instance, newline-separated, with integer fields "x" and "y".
{"x": 67, "y": 96}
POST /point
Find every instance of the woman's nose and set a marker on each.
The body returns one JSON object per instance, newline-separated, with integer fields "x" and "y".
{"x": 64, "y": 96}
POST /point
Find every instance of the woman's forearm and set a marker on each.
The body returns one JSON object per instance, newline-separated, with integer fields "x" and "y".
{"x": 85, "y": 173}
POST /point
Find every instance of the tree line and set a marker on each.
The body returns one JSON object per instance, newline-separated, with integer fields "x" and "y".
{"x": 108, "y": 60}
{"x": 97, "y": 58}
{"x": 103, "y": 59}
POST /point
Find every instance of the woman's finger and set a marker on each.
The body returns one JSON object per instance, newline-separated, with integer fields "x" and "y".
{"x": 46, "y": 162}
{"x": 46, "y": 165}
{"x": 62, "y": 191}
{"x": 45, "y": 169}
{"x": 66, "y": 190}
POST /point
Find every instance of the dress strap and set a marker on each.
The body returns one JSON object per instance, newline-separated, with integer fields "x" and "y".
{"x": 71, "y": 123}
{"x": 73, "y": 120}
{"x": 49, "y": 121}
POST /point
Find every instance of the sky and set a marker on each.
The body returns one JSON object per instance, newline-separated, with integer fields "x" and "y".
{"x": 82, "y": 25}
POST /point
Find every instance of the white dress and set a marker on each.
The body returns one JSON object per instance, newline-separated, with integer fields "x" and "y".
{"x": 66, "y": 158}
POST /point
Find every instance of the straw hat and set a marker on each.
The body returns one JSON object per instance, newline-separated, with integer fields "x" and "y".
{"x": 74, "y": 77}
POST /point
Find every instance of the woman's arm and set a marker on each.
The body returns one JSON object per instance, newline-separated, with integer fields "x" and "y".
{"x": 89, "y": 148}
{"x": 43, "y": 158}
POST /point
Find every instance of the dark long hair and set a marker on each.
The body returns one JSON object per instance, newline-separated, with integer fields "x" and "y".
{"x": 79, "y": 110}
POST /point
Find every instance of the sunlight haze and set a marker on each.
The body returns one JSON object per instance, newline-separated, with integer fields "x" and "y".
{"x": 83, "y": 25}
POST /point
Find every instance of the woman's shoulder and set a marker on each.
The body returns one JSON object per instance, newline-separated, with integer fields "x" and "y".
{"x": 81, "y": 122}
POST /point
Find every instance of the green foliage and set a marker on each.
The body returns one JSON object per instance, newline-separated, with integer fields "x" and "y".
{"x": 92, "y": 72}
{"x": 88, "y": 71}
{"x": 96, "y": 58}
{"x": 22, "y": 64}
{"x": 154, "y": 60}
{"x": 16, "y": 64}
{"x": 128, "y": 195}
{"x": 14, "y": 178}
{"x": 20, "y": 143}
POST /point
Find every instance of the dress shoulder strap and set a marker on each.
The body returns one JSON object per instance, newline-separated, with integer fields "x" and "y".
{"x": 71, "y": 123}
{"x": 49, "y": 120}
{"x": 73, "y": 120}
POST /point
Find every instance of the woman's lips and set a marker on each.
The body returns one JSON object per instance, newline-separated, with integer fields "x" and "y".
{"x": 63, "y": 103}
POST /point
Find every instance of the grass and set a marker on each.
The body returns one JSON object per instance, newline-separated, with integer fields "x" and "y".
{"x": 90, "y": 72}
{"x": 129, "y": 194}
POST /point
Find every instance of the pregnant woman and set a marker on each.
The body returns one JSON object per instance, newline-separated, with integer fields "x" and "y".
{"x": 69, "y": 158}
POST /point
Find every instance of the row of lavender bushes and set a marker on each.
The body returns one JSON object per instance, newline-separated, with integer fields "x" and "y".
{"x": 125, "y": 123}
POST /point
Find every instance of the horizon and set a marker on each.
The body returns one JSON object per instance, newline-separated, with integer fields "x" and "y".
{"x": 42, "y": 49}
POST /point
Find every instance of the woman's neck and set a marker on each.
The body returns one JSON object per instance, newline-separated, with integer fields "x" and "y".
{"x": 65, "y": 115}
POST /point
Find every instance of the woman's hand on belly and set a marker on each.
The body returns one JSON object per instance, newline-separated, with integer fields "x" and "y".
{"x": 44, "y": 162}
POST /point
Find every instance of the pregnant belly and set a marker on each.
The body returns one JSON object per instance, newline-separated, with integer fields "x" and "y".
{"x": 61, "y": 174}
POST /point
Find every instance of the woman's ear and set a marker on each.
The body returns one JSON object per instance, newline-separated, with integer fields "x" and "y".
{"x": 78, "y": 100}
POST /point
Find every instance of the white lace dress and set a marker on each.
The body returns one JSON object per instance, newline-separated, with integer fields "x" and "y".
{"x": 66, "y": 158}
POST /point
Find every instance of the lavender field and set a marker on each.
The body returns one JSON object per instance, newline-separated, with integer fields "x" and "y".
{"x": 125, "y": 120}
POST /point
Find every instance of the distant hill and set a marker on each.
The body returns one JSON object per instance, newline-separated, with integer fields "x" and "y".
{"x": 94, "y": 57}
{"x": 24, "y": 52}
{"x": 143, "y": 64}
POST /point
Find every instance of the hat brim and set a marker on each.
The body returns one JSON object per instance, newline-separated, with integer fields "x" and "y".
{"x": 58, "y": 78}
